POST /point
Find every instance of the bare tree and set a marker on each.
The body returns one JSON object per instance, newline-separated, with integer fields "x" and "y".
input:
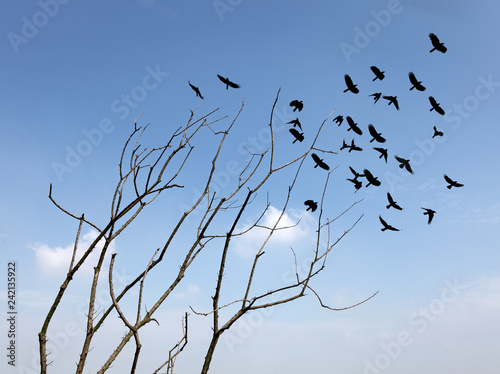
{"x": 145, "y": 174}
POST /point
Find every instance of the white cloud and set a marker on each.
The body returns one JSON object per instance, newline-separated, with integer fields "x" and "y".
{"x": 297, "y": 225}
{"x": 55, "y": 261}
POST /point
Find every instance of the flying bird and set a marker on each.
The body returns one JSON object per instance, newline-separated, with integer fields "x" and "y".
{"x": 437, "y": 44}
{"x": 297, "y": 105}
{"x": 354, "y": 147}
{"x": 435, "y": 106}
{"x": 228, "y": 83}
{"x": 339, "y": 119}
{"x": 357, "y": 183}
{"x": 197, "y": 90}
{"x": 378, "y": 74}
{"x": 415, "y": 82}
{"x": 297, "y": 135}
{"x": 370, "y": 178}
{"x": 356, "y": 174}
{"x": 350, "y": 85}
{"x": 376, "y": 135}
{"x": 376, "y": 96}
{"x": 430, "y": 213}
{"x": 404, "y": 163}
{"x": 353, "y": 126}
{"x": 392, "y": 203}
{"x": 437, "y": 132}
{"x": 452, "y": 183}
{"x": 295, "y": 122}
{"x": 311, "y": 205}
{"x": 319, "y": 162}
{"x": 392, "y": 100}
{"x": 383, "y": 152}
{"x": 386, "y": 225}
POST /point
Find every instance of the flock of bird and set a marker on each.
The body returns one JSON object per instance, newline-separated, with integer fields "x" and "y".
{"x": 376, "y": 136}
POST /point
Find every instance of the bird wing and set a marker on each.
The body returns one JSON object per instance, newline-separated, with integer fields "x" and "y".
{"x": 224, "y": 80}
{"x": 434, "y": 39}
{"x": 232, "y": 84}
{"x": 396, "y": 104}
{"x": 413, "y": 79}
{"x": 375, "y": 69}
{"x": 433, "y": 101}
{"x": 294, "y": 103}
{"x": 448, "y": 179}
{"x": 294, "y": 133}
{"x": 348, "y": 80}
{"x": 382, "y": 221}
{"x": 400, "y": 159}
{"x": 316, "y": 158}
{"x": 323, "y": 165}
{"x": 372, "y": 130}
{"x": 389, "y": 198}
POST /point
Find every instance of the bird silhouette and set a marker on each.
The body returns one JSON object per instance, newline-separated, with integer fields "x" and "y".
{"x": 197, "y": 90}
{"x": 356, "y": 174}
{"x": 404, "y": 163}
{"x": 392, "y": 100}
{"x": 430, "y": 213}
{"x": 228, "y": 83}
{"x": 297, "y": 135}
{"x": 437, "y": 132}
{"x": 370, "y": 178}
{"x": 415, "y": 82}
{"x": 435, "y": 106}
{"x": 354, "y": 147}
{"x": 350, "y": 85}
{"x": 319, "y": 162}
{"x": 376, "y": 135}
{"x": 295, "y": 122}
{"x": 383, "y": 152}
{"x": 353, "y": 126}
{"x": 392, "y": 203}
{"x": 378, "y": 74}
{"x": 386, "y": 225}
{"x": 376, "y": 96}
{"x": 344, "y": 145}
{"x": 297, "y": 105}
{"x": 451, "y": 182}
{"x": 339, "y": 119}
{"x": 357, "y": 183}
{"x": 437, "y": 45}
{"x": 311, "y": 205}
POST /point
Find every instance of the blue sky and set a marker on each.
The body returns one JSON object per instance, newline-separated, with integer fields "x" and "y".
{"x": 77, "y": 74}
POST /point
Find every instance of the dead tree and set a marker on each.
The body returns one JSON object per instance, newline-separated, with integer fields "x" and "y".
{"x": 144, "y": 175}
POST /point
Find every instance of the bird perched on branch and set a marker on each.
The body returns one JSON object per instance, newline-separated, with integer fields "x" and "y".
{"x": 370, "y": 178}
{"x": 451, "y": 182}
{"x": 295, "y": 122}
{"x": 197, "y": 90}
{"x": 430, "y": 213}
{"x": 383, "y": 153}
{"x": 392, "y": 100}
{"x": 376, "y": 135}
{"x": 415, "y": 82}
{"x": 435, "y": 106}
{"x": 353, "y": 126}
{"x": 297, "y": 135}
{"x": 339, "y": 119}
{"x": 311, "y": 205}
{"x": 404, "y": 163}
{"x": 319, "y": 162}
{"x": 228, "y": 83}
{"x": 436, "y": 44}
{"x": 392, "y": 203}
{"x": 437, "y": 132}
{"x": 297, "y": 105}
{"x": 350, "y": 85}
{"x": 378, "y": 74}
{"x": 386, "y": 225}
{"x": 376, "y": 96}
